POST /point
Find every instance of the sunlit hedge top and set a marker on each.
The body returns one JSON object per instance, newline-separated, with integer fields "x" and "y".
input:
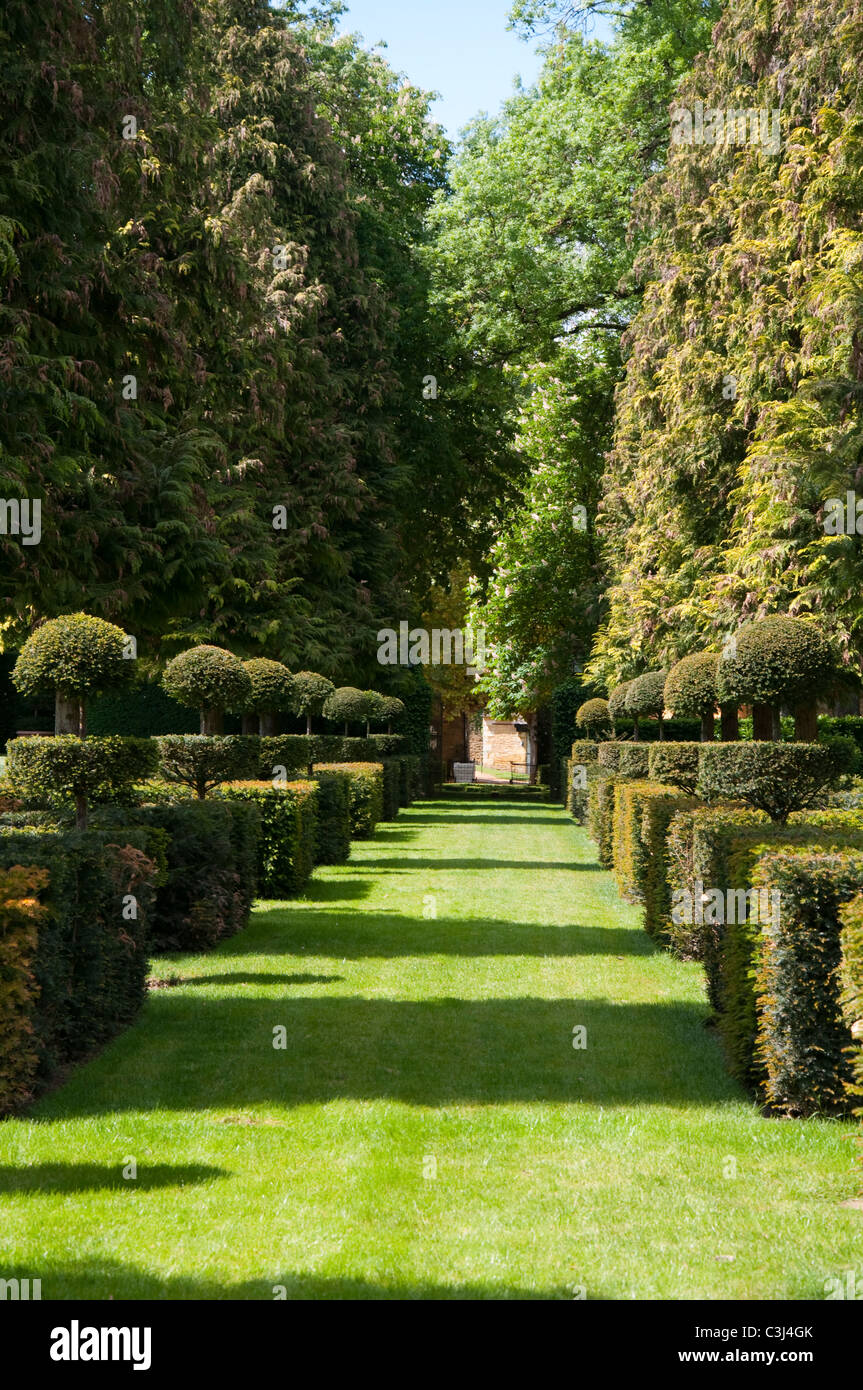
{"x": 75, "y": 655}
{"x": 347, "y": 704}
{"x": 207, "y": 678}
{"x": 775, "y": 661}
{"x": 310, "y": 692}
{"x": 690, "y": 688}
{"x": 593, "y": 716}
{"x": 272, "y": 686}
{"x": 646, "y": 693}
{"x": 617, "y": 699}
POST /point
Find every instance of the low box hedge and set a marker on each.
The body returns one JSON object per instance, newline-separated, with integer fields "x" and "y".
{"x": 288, "y": 832}
{"x": 804, "y": 1040}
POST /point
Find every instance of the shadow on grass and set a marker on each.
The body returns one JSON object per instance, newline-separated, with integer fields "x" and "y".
{"x": 229, "y": 978}
{"x": 359, "y": 935}
{"x": 198, "y": 1054}
{"x": 47, "y": 1178}
{"x": 106, "y": 1279}
{"x": 333, "y": 890}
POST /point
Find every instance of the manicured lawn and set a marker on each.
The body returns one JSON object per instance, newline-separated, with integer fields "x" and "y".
{"x": 429, "y": 1130}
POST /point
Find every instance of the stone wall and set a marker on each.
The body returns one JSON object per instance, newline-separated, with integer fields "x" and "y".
{"x": 502, "y": 744}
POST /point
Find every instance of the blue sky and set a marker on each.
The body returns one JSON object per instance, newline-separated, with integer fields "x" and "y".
{"x": 460, "y": 48}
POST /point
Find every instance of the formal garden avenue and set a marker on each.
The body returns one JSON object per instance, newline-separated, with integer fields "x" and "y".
{"x": 432, "y": 1125}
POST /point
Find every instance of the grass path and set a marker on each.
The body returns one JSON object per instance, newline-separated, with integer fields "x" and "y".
{"x": 429, "y": 1130}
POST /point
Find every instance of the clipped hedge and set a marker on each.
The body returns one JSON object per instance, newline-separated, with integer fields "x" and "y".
{"x": 584, "y": 750}
{"x": 851, "y": 943}
{"x": 632, "y": 760}
{"x": 608, "y": 756}
{"x": 204, "y": 762}
{"x": 22, "y": 914}
{"x": 207, "y": 853}
{"x": 773, "y": 777}
{"x": 642, "y": 813}
{"x": 600, "y": 816}
{"x": 293, "y": 752}
{"x": 675, "y": 764}
{"x": 391, "y": 788}
{"x": 804, "y": 1041}
{"x": 333, "y": 819}
{"x": 410, "y": 779}
{"x": 367, "y": 795}
{"x": 89, "y": 966}
{"x": 719, "y": 848}
{"x": 288, "y": 832}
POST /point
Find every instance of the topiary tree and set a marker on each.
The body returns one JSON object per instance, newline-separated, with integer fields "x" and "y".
{"x": 690, "y": 690}
{"x": 347, "y": 705}
{"x": 202, "y": 762}
{"x": 375, "y": 709}
{"x": 773, "y": 662}
{"x": 71, "y": 658}
{"x": 310, "y": 693}
{"x": 208, "y": 679}
{"x": 646, "y": 696}
{"x": 594, "y": 717}
{"x": 617, "y": 703}
{"x": 272, "y": 691}
{"x": 393, "y": 708}
{"x": 83, "y": 770}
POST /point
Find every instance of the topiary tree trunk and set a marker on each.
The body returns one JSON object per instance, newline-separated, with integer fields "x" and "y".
{"x": 69, "y": 716}
{"x": 729, "y": 724}
{"x": 777, "y": 724}
{"x": 806, "y": 724}
{"x": 251, "y": 723}
{"x": 212, "y": 721}
{"x": 636, "y": 732}
{"x": 707, "y": 727}
{"x": 269, "y": 725}
{"x": 762, "y": 724}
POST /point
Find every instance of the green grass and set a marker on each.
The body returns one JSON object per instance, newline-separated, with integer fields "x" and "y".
{"x": 429, "y": 990}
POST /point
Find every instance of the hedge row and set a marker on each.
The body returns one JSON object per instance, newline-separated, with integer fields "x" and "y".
{"x": 778, "y": 988}
{"x": 74, "y": 914}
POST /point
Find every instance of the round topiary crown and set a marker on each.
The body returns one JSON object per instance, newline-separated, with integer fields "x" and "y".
{"x": 646, "y": 694}
{"x": 75, "y": 654}
{"x": 690, "y": 688}
{"x": 775, "y": 661}
{"x": 207, "y": 678}
{"x": 272, "y": 686}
